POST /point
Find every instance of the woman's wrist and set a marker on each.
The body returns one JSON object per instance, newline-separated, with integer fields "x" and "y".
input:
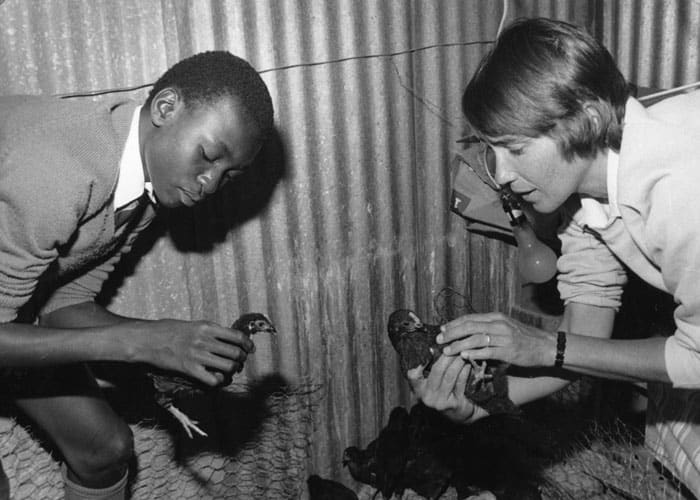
{"x": 561, "y": 349}
{"x": 549, "y": 353}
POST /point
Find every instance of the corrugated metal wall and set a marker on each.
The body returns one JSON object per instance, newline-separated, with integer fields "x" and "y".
{"x": 656, "y": 43}
{"x": 367, "y": 99}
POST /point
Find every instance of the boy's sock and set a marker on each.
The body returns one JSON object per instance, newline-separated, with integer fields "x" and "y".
{"x": 74, "y": 491}
{"x": 4, "y": 485}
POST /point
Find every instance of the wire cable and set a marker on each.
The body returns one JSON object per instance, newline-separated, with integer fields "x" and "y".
{"x": 669, "y": 91}
{"x": 503, "y": 18}
{"x": 504, "y": 15}
{"x": 92, "y": 93}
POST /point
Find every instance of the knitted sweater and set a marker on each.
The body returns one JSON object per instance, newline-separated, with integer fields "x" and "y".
{"x": 656, "y": 232}
{"x": 59, "y": 164}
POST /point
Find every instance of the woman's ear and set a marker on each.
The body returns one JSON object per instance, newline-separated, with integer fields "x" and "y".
{"x": 594, "y": 114}
{"x": 164, "y": 106}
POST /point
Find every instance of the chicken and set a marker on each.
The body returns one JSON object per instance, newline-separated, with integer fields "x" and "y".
{"x": 327, "y": 489}
{"x": 422, "y": 451}
{"x": 414, "y": 341}
{"x": 169, "y": 386}
{"x": 429, "y": 452}
{"x": 382, "y": 463}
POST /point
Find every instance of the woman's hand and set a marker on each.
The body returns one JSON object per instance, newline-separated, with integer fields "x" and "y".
{"x": 444, "y": 388}
{"x": 203, "y": 350}
{"x": 497, "y": 336}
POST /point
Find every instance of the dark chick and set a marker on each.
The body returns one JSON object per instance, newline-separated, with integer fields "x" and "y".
{"x": 327, "y": 489}
{"x": 430, "y": 452}
{"x": 168, "y": 386}
{"x": 414, "y": 341}
{"x": 382, "y": 463}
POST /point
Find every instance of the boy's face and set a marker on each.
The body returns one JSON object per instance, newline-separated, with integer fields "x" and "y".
{"x": 190, "y": 153}
{"x": 536, "y": 170}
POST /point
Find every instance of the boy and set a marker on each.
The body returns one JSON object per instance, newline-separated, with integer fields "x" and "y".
{"x": 78, "y": 183}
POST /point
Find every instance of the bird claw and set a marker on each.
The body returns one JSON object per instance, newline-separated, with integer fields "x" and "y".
{"x": 480, "y": 371}
{"x": 187, "y": 423}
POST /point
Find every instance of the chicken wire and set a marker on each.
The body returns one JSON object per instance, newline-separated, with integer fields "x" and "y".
{"x": 272, "y": 463}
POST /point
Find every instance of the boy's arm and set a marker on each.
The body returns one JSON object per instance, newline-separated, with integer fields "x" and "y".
{"x": 87, "y": 332}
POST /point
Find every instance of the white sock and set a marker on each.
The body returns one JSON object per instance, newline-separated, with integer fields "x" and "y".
{"x": 74, "y": 491}
{"x": 4, "y": 485}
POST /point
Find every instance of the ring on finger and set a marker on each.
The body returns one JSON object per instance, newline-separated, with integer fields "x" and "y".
{"x": 488, "y": 339}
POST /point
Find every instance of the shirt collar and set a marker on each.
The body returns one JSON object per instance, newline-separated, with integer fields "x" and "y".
{"x": 131, "y": 183}
{"x": 596, "y": 213}
{"x": 613, "y": 162}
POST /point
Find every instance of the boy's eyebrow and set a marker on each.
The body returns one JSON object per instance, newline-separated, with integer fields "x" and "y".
{"x": 221, "y": 147}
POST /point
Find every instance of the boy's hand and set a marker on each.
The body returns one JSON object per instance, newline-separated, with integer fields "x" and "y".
{"x": 203, "y": 350}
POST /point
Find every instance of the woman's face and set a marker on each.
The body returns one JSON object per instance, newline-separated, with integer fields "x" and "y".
{"x": 535, "y": 170}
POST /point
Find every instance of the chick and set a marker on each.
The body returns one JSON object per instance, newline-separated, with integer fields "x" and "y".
{"x": 327, "y": 489}
{"x": 414, "y": 341}
{"x": 168, "y": 386}
{"x": 420, "y": 450}
{"x": 382, "y": 463}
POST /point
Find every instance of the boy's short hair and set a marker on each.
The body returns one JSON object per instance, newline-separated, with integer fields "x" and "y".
{"x": 207, "y": 76}
{"x": 539, "y": 79}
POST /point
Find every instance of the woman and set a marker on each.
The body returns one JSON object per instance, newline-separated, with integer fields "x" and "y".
{"x": 556, "y": 112}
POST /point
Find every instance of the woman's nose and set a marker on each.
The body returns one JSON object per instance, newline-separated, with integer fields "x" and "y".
{"x": 500, "y": 168}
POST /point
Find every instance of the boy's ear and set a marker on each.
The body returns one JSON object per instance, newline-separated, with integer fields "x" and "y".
{"x": 164, "y": 105}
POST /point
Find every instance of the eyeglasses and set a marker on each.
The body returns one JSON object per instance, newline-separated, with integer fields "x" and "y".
{"x": 487, "y": 159}
{"x": 488, "y": 162}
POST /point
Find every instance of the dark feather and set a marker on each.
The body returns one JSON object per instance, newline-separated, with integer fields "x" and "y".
{"x": 327, "y": 489}
{"x": 413, "y": 340}
{"x": 169, "y": 386}
{"x": 415, "y": 343}
{"x": 381, "y": 464}
{"x": 422, "y": 451}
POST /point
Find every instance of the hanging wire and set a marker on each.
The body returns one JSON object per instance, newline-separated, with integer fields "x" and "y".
{"x": 504, "y": 15}
{"x": 503, "y": 18}
{"x": 92, "y": 93}
{"x": 450, "y": 304}
{"x": 669, "y": 91}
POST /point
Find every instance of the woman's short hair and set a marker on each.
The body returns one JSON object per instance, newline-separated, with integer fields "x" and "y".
{"x": 543, "y": 77}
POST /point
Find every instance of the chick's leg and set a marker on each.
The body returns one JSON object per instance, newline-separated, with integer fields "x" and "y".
{"x": 187, "y": 423}
{"x": 479, "y": 370}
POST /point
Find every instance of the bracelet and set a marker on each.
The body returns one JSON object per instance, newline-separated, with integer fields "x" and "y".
{"x": 561, "y": 347}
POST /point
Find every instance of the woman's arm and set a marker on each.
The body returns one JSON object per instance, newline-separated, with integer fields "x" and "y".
{"x": 588, "y": 320}
{"x": 589, "y": 350}
{"x": 443, "y": 388}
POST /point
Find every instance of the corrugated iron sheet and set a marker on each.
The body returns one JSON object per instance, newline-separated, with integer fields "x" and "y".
{"x": 656, "y": 43}
{"x": 367, "y": 96}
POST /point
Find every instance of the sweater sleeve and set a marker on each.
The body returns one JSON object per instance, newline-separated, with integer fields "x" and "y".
{"x": 588, "y": 272}
{"x": 674, "y": 243}
{"x": 40, "y": 208}
{"x": 86, "y": 287}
